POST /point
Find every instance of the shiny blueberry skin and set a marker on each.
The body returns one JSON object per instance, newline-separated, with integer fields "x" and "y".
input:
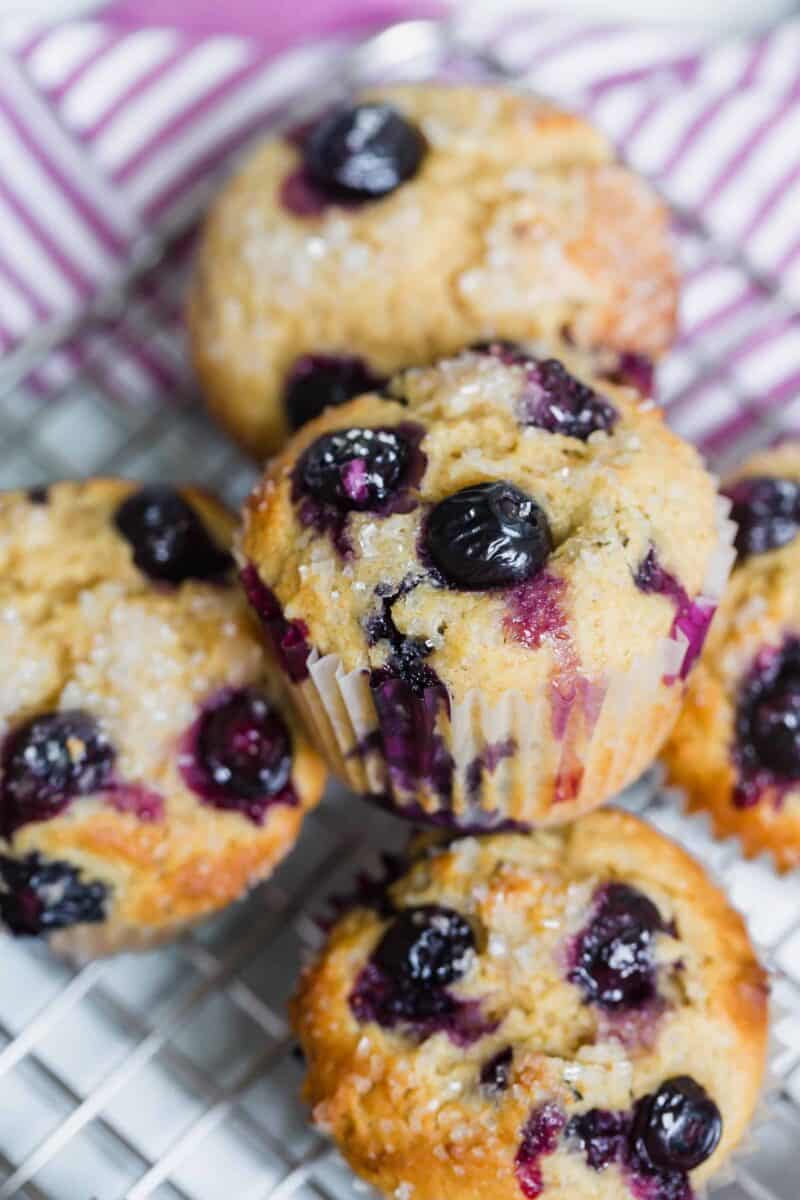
{"x": 679, "y": 1126}
{"x": 364, "y": 151}
{"x": 426, "y": 947}
{"x": 355, "y": 470}
{"x": 239, "y": 755}
{"x": 486, "y": 536}
{"x": 49, "y": 761}
{"x": 767, "y": 513}
{"x": 320, "y": 381}
{"x": 767, "y": 746}
{"x": 612, "y": 958}
{"x": 169, "y": 541}
{"x": 558, "y": 402}
{"x": 37, "y": 896}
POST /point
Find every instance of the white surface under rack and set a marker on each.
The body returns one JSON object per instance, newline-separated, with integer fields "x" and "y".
{"x": 173, "y": 1075}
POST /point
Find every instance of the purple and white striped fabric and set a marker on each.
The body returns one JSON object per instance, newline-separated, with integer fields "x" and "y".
{"x": 108, "y": 128}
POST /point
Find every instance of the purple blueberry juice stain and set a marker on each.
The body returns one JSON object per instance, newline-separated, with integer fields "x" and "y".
{"x": 692, "y": 617}
{"x": 410, "y": 699}
{"x": 237, "y": 756}
{"x": 288, "y": 638}
{"x": 766, "y": 749}
{"x": 612, "y": 958}
{"x": 540, "y": 1137}
{"x": 39, "y": 896}
{"x": 486, "y": 763}
{"x": 143, "y": 803}
{"x": 357, "y": 470}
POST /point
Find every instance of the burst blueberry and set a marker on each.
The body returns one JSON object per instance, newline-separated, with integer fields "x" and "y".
{"x": 767, "y": 513}
{"x": 363, "y": 151}
{"x": 678, "y": 1127}
{"x": 768, "y": 716}
{"x": 239, "y": 755}
{"x": 39, "y": 896}
{"x": 426, "y": 947}
{"x": 496, "y": 1073}
{"x": 169, "y": 541}
{"x": 612, "y": 958}
{"x": 49, "y": 761}
{"x": 320, "y": 381}
{"x": 355, "y": 469}
{"x": 489, "y": 535}
{"x": 558, "y": 402}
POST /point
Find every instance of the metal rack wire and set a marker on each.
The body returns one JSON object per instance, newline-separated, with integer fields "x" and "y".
{"x": 172, "y": 1075}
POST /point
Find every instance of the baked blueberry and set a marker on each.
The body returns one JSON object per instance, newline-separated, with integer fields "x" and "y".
{"x": 679, "y": 1126}
{"x": 766, "y": 510}
{"x": 558, "y": 402}
{"x": 602, "y": 1136}
{"x": 240, "y": 756}
{"x": 768, "y": 715}
{"x": 612, "y": 958}
{"x": 363, "y": 150}
{"x": 319, "y": 381}
{"x": 489, "y": 535}
{"x": 355, "y": 469}
{"x": 49, "y": 761}
{"x": 496, "y": 1073}
{"x": 426, "y": 947}
{"x": 170, "y": 543}
{"x": 37, "y": 896}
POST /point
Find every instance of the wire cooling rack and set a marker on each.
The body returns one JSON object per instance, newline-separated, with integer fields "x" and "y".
{"x": 172, "y": 1074}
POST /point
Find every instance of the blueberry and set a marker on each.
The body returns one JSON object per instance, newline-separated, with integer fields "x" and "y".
{"x": 496, "y": 1073}
{"x": 426, "y": 948}
{"x": 38, "y": 495}
{"x": 37, "y": 896}
{"x": 49, "y": 761}
{"x": 767, "y": 512}
{"x": 355, "y": 469}
{"x": 612, "y": 958}
{"x": 489, "y": 535}
{"x": 319, "y": 381}
{"x": 768, "y": 715}
{"x": 364, "y": 150}
{"x": 602, "y": 1135}
{"x": 540, "y": 1137}
{"x": 558, "y": 402}
{"x": 240, "y": 755}
{"x": 679, "y": 1126}
{"x": 169, "y": 541}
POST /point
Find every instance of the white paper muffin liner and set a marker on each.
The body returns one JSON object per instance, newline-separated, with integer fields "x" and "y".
{"x": 508, "y": 765}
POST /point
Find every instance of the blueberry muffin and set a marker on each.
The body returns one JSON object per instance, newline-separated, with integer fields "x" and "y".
{"x": 487, "y": 585}
{"x": 150, "y": 768}
{"x": 569, "y": 1013}
{"x": 736, "y": 748}
{"x": 408, "y": 224}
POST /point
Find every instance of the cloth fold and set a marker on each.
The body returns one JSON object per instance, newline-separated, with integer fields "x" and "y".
{"x": 109, "y": 126}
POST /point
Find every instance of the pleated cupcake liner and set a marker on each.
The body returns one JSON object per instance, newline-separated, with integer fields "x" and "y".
{"x": 483, "y": 763}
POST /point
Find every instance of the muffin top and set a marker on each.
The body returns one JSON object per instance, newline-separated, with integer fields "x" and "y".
{"x": 736, "y": 748}
{"x": 568, "y": 1013}
{"x": 492, "y": 522}
{"x": 145, "y": 753}
{"x": 405, "y": 225}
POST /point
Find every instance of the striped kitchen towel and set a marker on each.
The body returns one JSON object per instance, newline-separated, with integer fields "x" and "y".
{"x": 113, "y": 130}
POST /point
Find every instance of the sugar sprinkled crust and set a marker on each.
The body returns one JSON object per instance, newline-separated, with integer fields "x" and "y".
{"x": 410, "y": 1110}
{"x": 758, "y": 614}
{"x": 518, "y": 224}
{"x": 83, "y": 629}
{"x": 611, "y": 501}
